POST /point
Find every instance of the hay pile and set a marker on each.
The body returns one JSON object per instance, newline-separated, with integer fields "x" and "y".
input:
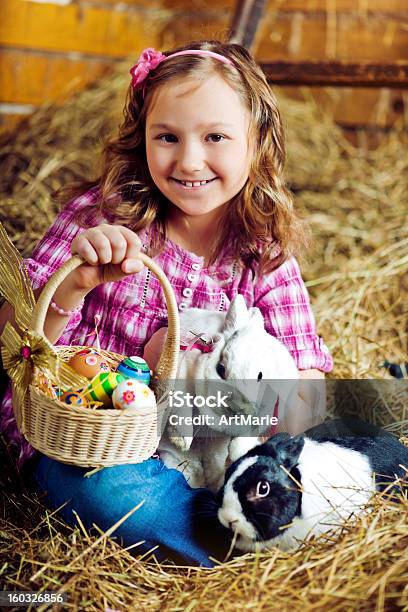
{"x": 365, "y": 569}
{"x": 356, "y": 204}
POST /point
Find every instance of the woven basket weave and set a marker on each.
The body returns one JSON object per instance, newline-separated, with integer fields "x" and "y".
{"x": 105, "y": 437}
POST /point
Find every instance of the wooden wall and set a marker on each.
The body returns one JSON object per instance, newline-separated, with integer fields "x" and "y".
{"x": 51, "y": 48}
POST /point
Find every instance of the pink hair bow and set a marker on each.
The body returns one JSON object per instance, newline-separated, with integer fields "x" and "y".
{"x": 148, "y": 60}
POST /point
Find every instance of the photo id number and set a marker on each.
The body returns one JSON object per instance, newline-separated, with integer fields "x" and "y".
{"x": 32, "y": 598}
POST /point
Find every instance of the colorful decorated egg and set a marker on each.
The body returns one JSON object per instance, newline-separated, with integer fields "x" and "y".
{"x": 88, "y": 362}
{"x": 74, "y": 398}
{"x": 133, "y": 394}
{"x": 100, "y": 389}
{"x": 135, "y": 367}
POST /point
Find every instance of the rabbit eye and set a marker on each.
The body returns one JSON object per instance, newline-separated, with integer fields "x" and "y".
{"x": 259, "y": 376}
{"x": 220, "y": 369}
{"x": 263, "y": 488}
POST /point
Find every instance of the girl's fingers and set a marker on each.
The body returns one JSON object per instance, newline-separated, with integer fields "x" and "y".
{"x": 102, "y": 246}
{"x": 110, "y": 244}
{"x": 131, "y": 266}
{"x": 133, "y": 242}
{"x": 83, "y": 248}
{"x": 118, "y": 243}
{"x": 131, "y": 263}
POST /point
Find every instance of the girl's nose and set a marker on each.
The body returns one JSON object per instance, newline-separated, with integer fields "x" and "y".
{"x": 190, "y": 160}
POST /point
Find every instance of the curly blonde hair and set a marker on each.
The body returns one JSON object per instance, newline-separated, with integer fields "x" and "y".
{"x": 260, "y": 224}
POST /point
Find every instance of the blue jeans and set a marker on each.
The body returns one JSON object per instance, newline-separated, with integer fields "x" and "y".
{"x": 182, "y": 521}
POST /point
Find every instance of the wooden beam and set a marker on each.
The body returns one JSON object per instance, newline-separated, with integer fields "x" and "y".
{"x": 245, "y": 21}
{"x": 337, "y": 74}
{"x": 68, "y": 27}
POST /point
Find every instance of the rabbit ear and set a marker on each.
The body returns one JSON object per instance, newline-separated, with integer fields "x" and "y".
{"x": 284, "y": 448}
{"x": 256, "y": 317}
{"x": 237, "y": 315}
{"x": 289, "y": 451}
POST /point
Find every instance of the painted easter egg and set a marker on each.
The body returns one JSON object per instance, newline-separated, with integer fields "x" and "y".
{"x": 135, "y": 367}
{"x": 88, "y": 362}
{"x": 74, "y": 398}
{"x": 100, "y": 389}
{"x": 133, "y": 394}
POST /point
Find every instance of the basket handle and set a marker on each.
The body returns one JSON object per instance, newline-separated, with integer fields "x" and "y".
{"x": 167, "y": 366}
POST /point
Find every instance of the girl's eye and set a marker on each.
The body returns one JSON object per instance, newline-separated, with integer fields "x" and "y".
{"x": 167, "y": 138}
{"x": 216, "y": 137}
{"x": 171, "y": 138}
{"x": 263, "y": 488}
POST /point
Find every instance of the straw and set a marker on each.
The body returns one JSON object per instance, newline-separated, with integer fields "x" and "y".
{"x": 356, "y": 203}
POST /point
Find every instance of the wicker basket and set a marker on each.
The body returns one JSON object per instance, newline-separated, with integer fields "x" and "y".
{"x": 97, "y": 438}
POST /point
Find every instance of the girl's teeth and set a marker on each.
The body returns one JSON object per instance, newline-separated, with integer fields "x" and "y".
{"x": 194, "y": 183}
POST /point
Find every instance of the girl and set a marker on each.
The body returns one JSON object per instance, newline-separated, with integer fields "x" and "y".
{"x": 194, "y": 178}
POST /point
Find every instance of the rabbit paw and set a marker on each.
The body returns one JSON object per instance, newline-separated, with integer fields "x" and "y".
{"x": 182, "y": 443}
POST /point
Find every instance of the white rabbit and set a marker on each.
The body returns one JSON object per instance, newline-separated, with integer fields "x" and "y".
{"x": 242, "y": 358}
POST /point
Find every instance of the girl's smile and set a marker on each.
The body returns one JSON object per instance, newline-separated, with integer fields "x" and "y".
{"x": 194, "y": 185}
{"x": 197, "y": 144}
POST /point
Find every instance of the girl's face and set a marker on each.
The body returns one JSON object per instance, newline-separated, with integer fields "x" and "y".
{"x": 197, "y": 144}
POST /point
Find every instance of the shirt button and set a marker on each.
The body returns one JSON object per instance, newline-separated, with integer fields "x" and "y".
{"x": 191, "y": 277}
{"x": 195, "y": 266}
{"x": 182, "y": 306}
{"x": 187, "y": 292}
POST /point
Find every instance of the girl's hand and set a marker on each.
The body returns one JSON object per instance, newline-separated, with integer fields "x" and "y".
{"x": 154, "y": 348}
{"x": 309, "y": 406}
{"x": 111, "y": 253}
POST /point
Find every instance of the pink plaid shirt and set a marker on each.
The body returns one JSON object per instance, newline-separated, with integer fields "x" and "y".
{"x": 133, "y": 309}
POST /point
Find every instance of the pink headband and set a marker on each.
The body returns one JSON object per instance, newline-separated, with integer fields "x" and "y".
{"x": 149, "y": 60}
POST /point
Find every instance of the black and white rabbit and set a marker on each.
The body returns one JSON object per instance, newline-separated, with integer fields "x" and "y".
{"x": 290, "y": 488}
